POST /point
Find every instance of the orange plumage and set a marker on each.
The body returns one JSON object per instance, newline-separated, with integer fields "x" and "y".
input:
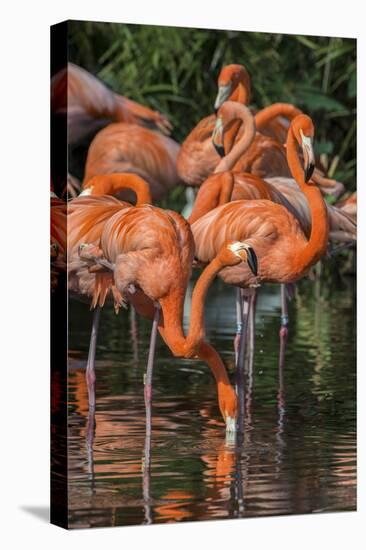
{"x": 122, "y": 147}
{"x": 227, "y": 184}
{"x": 265, "y": 157}
{"x": 223, "y": 187}
{"x": 197, "y": 158}
{"x": 151, "y": 251}
{"x": 284, "y": 253}
{"x": 91, "y": 105}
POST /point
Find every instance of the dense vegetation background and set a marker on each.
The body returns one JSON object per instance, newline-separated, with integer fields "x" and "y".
{"x": 174, "y": 70}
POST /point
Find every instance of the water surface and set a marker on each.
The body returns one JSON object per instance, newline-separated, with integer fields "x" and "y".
{"x": 298, "y": 451}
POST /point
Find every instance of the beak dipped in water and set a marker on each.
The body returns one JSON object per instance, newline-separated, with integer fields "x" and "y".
{"x": 309, "y": 158}
{"x": 230, "y": 424}
{"x": 218, "y": 137}
{"x": 223, "y": 94}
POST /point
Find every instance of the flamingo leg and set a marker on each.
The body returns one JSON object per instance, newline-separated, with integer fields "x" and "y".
{"x": 149, "y": 369}
{"x": 281, "y": 387}
{"x": 148, "y": 395}
{"x": 240, "y": 385}
{"x": 249, "y": 395}
{"x": 281, "y": 405}
{"x": 134, "y": 335}
{"x": 284, "y": 325}
{"x": 90, "y": 366}
{"x": 239, "y": 322}
{"x": 252, "y": 309}
{"x": 146, "y": 475}
{"x": 89, "y": 442}
{"x": 283, "y": 341}
{"x": 284, "y": 312}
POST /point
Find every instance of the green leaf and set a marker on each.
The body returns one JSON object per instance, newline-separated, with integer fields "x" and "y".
{"x": 352, "y": 85}
{"x": 175, "y": 70}
{"x": 307, "y": 42}
{"x": 316, "y": 100}
{"x": 324, "y": 147}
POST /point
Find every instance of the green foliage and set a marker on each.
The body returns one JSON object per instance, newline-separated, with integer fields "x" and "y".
{"x": 174, "y": 70}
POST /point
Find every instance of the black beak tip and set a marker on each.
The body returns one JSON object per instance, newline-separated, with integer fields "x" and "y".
{"x": 309, "y": 171}
{"x": 220, "y": 150}
{"x": 252, "y": 261}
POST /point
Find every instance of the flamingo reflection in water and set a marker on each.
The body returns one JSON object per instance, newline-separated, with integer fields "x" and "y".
{"x": 227, "y": 461}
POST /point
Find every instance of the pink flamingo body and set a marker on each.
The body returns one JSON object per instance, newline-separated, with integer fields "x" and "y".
{"x": 122, "y": 147}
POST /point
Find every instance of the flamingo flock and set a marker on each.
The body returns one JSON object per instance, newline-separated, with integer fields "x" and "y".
{"x": 260, "y": 215}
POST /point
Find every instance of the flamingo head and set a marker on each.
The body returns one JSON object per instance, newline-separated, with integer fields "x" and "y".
{"x": 229, "y": 79}
{"x": 234, "y": 252}
{"x": 228, "y": 403}
{"x": 303, "y": 130}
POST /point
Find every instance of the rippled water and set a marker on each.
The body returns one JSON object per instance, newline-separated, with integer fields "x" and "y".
{"x": 298, "y": 452}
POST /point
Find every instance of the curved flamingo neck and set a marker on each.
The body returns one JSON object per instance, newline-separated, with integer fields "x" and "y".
{"x": 172, "y": 307}
{"x": 266, "y": 115}
{"x": 215, "y": 191}
{"x": 317, "y": 243}
{"x": 230, "y": 135}
{"x": 243, "y": 113}
{"x": 205, "y": 351}
{"x": 111, "y": 184}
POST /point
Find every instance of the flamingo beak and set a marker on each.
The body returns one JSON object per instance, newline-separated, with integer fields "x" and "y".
{"x": 248, "y": 255}
{"x": 223, "y": 94}
{"x": 218, "y": 137}
{"x": 309, "y": 158}
{"x": 252, "y": 260}
{"x": 230, "y": 424}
